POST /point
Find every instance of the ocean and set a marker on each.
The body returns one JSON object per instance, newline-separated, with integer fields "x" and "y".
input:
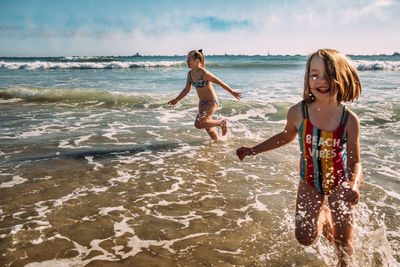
{"x": 97, "y": 170}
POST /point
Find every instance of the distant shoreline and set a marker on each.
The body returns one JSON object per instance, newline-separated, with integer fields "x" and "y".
{"x": 394, "y": 54}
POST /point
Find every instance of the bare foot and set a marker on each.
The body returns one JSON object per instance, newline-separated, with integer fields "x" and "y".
{"x": 224, "y": 127}
{"x": 327, "y": 227}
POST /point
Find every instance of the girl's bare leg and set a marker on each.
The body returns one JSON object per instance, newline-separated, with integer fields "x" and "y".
{"x": 224, "y": 127}
{"x": 204, "y": 121}
{"x": 325, "y": 224}
{"x": 310, "y": 214}
{"x": 212, "y": 133}
{"x": 343, "y": 223}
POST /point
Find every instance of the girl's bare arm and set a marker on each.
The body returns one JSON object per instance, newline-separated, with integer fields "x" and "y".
{"x": 280, "y": 139}
{"x": 354, "y": 167}
{"x": 184, "y": 92}
{"x": 208, "y": 76}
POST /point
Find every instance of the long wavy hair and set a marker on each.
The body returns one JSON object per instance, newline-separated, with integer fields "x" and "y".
{"x": 342, "y": 76}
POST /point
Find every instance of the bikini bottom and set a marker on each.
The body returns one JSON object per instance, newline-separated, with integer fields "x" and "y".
{"x": 204, "y": 102}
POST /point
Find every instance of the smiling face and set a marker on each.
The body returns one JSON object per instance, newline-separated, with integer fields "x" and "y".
{"x": 330, "y": 75}
{"x": 318, "y": 79}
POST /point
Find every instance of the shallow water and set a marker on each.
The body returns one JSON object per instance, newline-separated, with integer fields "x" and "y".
{"x": 96, "y": 169}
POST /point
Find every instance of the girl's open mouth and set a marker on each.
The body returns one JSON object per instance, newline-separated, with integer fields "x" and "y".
{"x": 323, "y": 91}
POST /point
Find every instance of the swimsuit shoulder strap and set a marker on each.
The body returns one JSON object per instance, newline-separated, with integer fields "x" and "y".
{"x": 191, "y": 80}
{"x": 304, "y": 110}
{"x": 190, "y": 76}
{"x": 345, "y": 116}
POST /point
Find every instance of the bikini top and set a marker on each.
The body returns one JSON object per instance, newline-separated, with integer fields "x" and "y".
{"x": 199, "y": 83}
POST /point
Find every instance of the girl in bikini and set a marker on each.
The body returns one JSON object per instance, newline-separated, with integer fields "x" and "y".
{"x": 330, "y": 162}
{"x": 202, "y": 80}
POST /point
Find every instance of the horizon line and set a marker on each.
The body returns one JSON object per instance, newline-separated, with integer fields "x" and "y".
{"x": 395, "y": 53}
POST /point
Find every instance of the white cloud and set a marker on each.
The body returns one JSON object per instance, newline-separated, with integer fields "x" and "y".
{"x": 374, "y": 10}
{"x": 283, "y": 28}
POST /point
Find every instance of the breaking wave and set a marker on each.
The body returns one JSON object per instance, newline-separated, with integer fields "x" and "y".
{"x": 44, "y": 65}
{"x": 111, "y": 63}
{"x": 79, "y": 96}
{"x": 364, "y": 65}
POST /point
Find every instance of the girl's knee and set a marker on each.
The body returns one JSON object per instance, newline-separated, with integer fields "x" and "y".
{"x": 306, "y": 237}
{"x": 199, "y": 123}
{"x": 305, "y": 240}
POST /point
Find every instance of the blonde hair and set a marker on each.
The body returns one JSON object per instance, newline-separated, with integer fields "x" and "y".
{"x": 198, "y": 54}
{"x": 342, "y": 77}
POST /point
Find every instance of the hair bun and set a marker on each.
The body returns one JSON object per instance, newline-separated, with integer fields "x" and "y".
{"x": 200, "y": 50}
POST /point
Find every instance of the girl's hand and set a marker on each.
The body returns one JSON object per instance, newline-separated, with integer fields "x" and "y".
{"x": 352, "y": 196}
{"x": 173, "y": 102}
{"x": 347, "y": 193}
{"x": 237, "y": 95}
{"x": 243, "y": 152}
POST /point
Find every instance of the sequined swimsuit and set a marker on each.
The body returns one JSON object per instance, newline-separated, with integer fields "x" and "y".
{"x": 323, "y": 162}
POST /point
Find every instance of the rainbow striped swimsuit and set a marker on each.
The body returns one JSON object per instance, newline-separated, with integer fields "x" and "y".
{"x": 323, "y": 162}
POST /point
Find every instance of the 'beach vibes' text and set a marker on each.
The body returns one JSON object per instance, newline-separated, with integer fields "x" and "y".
{"x": 329, "y": 142}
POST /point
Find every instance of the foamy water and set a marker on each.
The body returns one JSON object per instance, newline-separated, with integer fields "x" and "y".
{"x": 96, "y": 168}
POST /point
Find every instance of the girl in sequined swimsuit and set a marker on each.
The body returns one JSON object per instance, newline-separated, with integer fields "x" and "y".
{"x": 330, "y": 163}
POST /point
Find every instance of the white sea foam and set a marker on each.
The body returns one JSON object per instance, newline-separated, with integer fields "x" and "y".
{"x": 16, "y": 228}
{"x": 123, "y": 177}
{"x": 167, "y": 203}
{"x": 377, "y": 65}
{"x": 388, "y": 172}
{"x": 247, "y": 219}
{"x": 37, "y": 241}
{"x": 207, "y": 196}
{"x": 173, "y": 116}
{"x": 11, "y": 100}
{"x": 82, "y": 139}
{"x": 99, "y": 189}
{"x": 106, "y": 210}
{"x": 157, "y": 136}
{"x": 67, "y": 144}
{"x": 97, "y": 166}
{"x": 218, "y": 212}
{"x": 16, "y": 215}
{"x": 237, "y": 252}
{"x": 15, "y": 181}
{"x": 88, "y": 65}
{"x": 74, "y": 195}
{"x": 110, "y": 133}
{"x": 260, "y": 206}
{"x": 32, "y": 133}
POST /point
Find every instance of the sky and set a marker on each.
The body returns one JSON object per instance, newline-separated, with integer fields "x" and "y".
{"x": 168, "y": 27}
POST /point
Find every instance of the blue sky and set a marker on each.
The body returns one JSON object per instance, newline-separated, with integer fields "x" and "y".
{"x": 152, "y": 27}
